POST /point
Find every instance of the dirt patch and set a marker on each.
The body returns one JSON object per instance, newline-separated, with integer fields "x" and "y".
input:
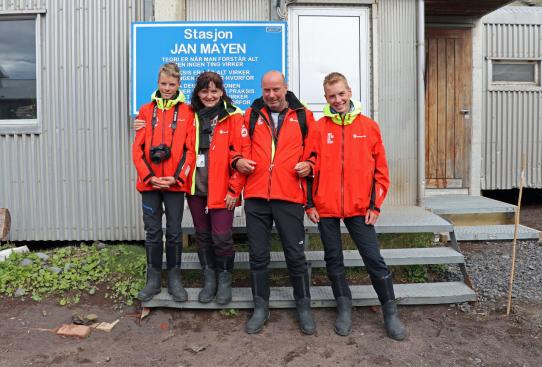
{"x": 439, "y": 336}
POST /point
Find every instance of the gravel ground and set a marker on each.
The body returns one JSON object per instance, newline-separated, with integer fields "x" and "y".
{"x": 488, "y": 264}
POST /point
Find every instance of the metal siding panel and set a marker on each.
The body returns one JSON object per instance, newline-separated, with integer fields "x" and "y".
{"x": 229, "y": 10}
{"x": 397, "y": 96}
{"x": 75, "y": 180}
{"x": 511, "y": 118}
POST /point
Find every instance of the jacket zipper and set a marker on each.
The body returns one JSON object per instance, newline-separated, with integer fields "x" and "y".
{"x": 272, "y": 163}
{"x": 163, "y": 136}
{"x": 342, "y": 168}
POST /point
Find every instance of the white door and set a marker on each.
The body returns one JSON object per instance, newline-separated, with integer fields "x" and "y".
{"x": 326, "y": 39}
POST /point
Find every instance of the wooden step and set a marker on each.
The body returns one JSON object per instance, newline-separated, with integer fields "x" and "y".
{"x": 465, "y": 210}
{"x": 362, "y": 295}
{"x": 403, "y": 256}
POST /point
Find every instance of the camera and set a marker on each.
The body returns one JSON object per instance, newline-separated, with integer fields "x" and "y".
{"x": 160, "y": 153}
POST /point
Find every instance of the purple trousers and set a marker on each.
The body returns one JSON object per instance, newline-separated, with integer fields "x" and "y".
{"x": 213, "y": 228}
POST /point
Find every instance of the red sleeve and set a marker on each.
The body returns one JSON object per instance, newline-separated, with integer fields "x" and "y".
{"x": 239, "y": 147}
{"x": 143, "y": 168}
{"x": 189, "y": 164}
{"x": 309, "y": 153}
{"x": 381, "y": 174}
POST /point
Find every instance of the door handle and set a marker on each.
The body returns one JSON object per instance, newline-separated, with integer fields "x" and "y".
{"x": 464, "y": 111}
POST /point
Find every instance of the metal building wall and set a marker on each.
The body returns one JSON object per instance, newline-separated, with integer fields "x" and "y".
{"x": 512, "y": 115}
{"x": 227, "y": 10}
{"x": 396, "y": 80}
{"x": 75, "y": 180}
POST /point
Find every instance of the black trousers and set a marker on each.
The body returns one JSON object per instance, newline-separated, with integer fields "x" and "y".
{"x": 288, "y": 218}
{"x": 154, "y": 203}
{"x": 364, "y": 237}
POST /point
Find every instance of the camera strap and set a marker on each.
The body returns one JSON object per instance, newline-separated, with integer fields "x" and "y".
{"x": 154, "y": 122}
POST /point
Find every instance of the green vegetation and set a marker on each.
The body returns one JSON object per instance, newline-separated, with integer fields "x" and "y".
{"x": 70, "y": 272}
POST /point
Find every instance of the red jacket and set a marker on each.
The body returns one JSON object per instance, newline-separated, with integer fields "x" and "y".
{"x": 181, "y": 143}
{"x": 230, "y": 141}
{"x": 351, "y": 172}
{"x": 274, "y": 177}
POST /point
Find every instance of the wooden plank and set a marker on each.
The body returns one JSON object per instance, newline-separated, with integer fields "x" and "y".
{"x": 450, "y": 109}
{"x": 396, "y": 257}
{"x": 448, "y": 183}
{"x": 441, "y": 109}
{"x": 431, "y": 117}
{"x": 5, "y": 224}
{"x": 362, "y": 295}
{"x": 479, "y": 219}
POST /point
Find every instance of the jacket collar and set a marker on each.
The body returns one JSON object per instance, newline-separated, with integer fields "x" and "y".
{"x": 166, "y": 104}
{"x": 349, "y": 117}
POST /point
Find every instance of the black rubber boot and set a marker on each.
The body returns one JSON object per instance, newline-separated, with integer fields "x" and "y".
{"x": 224, "y": 266}
{"x": 207, "y": 261}
{"x": 154, "y": 272}
{"x": 260, "y": 293}
{"x": 343, "y": 322}
{"x": 343, "y": 296}
{"x": 174, "y": 284}
{"x": 384, "y": 288}
{"x": 302, "y": 298}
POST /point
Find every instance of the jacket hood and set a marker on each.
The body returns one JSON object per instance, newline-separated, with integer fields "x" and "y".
{"x": 166, "y": 104}
{"x": 349, "y": 117}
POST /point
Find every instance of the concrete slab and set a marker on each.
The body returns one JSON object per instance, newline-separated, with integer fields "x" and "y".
{"x": 464, "y": 204}
{"x": 403, "y": 256}
{"x": 495, "y": 233}
{"x": 363, "y": 295}
{"x": 394, "y": 219}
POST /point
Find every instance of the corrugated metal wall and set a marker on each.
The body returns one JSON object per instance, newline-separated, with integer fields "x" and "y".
{"x": 75, "y": 180}
{"x": 227, "y": 10}
{"x": 397, "y": 96}
{"x": 512, "y": 115}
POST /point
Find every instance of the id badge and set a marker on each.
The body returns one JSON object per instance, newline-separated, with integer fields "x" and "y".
{"x": 200, "y": 161}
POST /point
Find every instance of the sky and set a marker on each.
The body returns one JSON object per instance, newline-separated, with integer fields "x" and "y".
{"x": 18, "y": 48}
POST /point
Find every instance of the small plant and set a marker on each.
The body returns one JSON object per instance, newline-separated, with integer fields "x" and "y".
{"x": 69, "y": 272}
{"x": 415, "y": 273}
{"x": 229, "y": 312}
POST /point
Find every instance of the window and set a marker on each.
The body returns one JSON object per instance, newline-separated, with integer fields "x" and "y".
{"x": 515, "y": 72}
{"x": 18, "y": 74}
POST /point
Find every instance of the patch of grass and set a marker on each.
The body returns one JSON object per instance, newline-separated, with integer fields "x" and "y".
{"x": 69, "y": 272}
{"x": 229, "y": 312}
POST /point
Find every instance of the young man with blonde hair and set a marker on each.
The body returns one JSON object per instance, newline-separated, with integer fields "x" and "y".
{"x": 350, "y": 183}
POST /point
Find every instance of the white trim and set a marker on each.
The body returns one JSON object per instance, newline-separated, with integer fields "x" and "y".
{"x": 475, "y": 159}
{"x": 364, "y": 67}
{"x": 23, "y": 11}
{"x": 28, "y": 126}
{"x": 523, "y": 86}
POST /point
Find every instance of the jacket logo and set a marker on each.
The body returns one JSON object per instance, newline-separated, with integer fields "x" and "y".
{"x": 222, "y": 132}
{"x": 355, "y": 136}
{"x": 260, "y": 121}
{"x": 330, "y": 137}
{"x": 244, "y": 132}
{"x": 293, "y": 120}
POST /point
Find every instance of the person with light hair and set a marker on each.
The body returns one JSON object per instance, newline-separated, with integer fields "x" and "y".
{"x": 164, "y": 156}
{"x": 351, "y": 181}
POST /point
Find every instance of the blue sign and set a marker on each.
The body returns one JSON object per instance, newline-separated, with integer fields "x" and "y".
{"x": 240, "y": 52}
